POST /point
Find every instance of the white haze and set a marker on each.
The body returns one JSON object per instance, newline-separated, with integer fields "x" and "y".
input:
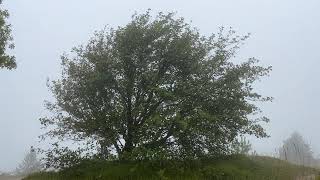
{"x": 285, "y": 34}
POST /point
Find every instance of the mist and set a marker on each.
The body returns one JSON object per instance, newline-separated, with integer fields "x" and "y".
{"x": 283, "y": 34}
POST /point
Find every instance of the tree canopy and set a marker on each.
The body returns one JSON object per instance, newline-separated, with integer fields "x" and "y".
{"x": 157, "y": 86}
{"x": 241, "y": 146}
{"x": 30, "y": 163}
{"x": 6, "y": 61}
{"x": 296, "y": 150}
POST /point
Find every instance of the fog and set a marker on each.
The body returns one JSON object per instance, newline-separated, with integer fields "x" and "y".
{"x": 285, "y": 34}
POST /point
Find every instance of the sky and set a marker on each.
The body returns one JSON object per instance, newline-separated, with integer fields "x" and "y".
{"x": 284, "y": 34}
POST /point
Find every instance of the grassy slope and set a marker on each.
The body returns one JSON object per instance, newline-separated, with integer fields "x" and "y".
{"x": 233, "y": 168}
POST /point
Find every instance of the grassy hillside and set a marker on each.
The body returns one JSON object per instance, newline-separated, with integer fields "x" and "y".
{"x": 233, "y": 168}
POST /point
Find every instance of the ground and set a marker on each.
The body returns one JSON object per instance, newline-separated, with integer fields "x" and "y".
{"x": 10, "y": 178}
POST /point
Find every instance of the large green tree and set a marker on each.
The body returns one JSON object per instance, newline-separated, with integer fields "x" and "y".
{"x": 6, "y": 61}
{"x": 157, "y": 85}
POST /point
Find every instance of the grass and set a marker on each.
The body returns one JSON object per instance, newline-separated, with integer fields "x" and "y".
{"x": 224, "y": 168}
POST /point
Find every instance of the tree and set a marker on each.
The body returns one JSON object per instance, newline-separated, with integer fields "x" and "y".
{"x": 6, "y": 61}
{"x": 296, "y": 150}
{"x": 30, "y": 163}
{"x": 156, "y": 86}
{"x": 241, "y": 146}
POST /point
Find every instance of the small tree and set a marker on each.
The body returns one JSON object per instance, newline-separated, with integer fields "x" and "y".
{"x": 241, "y": 146}
{"x": 6, "y": 61}
{"x": 30, "y": 163}
{"x": 296, "y": 150}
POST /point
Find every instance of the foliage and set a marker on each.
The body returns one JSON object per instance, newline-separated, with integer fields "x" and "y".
{"x": 30, "y": 163}
{"x": 156, "y": 85}
{"x": 61, "y": 157}
{"x": 6, "y": 61}
{"x": 296, "y": 150}
{"x": 241, "y": 146}
{"x": 223, "y": 168}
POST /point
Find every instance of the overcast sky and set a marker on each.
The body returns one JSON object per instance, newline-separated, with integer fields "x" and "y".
{"x": 285, "y": 34}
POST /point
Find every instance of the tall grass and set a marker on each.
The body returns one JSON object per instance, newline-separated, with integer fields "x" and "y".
{"x": 224, "y": 168}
